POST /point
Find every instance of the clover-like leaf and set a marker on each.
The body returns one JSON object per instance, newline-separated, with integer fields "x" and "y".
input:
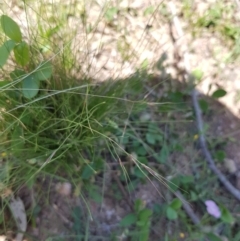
{"x": 171, "y": 213}
{"x": 44, "y": 71}
{"x": 21, "y": 53}
{"x": 129, "y": 220}
{"x": 11, "y": 28}
{"x": 30, "y": 87}
{"x": 219, "y": 93}
{"x": 5, "y": 51}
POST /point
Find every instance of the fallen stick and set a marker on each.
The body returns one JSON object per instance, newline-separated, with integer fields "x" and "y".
{"x": 188, "y": 209}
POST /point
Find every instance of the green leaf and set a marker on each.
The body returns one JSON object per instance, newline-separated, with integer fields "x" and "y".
{"x": 226, "y": 216}
{"x": 129, "y": 220}
{"x": 198, "y": 74}
{"x": 138, "y": 205}
{"x": 176, "y": 96}
{"x": 30, "y": 87}
{"x": 144, "y": 234}
{"x": 141, "y": 173}
{"x": 151, "y": 138}
{"x": 49, "y": 239}
{"x": 143, "y": 160}
{"x": 17, "y": 74}
{"x": 171, "y": 213}
{"x": 194, "y": 196}
{"x": 219, "y": 93}
{"x": 95, "y": 196}
{"x": 145, "y": 214}
{"x": 237, "y": 237}
{"x": 110, "y": 13}
{"x": 203, "y": 105}
{"x": 142, "y": 224}
{"x": 135, "y": 143}
{"x": 164, "y": 153}
{"x": 220, "y": 155}
{"x": 87, "y": 172}
{"x": 140, "y": 150}
{"x": 173, "y": 184}
{"x": 44, "y": 71}
{"x": 125, "y": 139}
{"x": 149, "y": 10}
{"x": 5, "y": 51}
{"x": 98, "y": 164}
{"x": 3, "y": 83}
{"x": 153, "y": 127}
{"x": 21, "y": 53}
{"x": 11, "y": 28}
{"x": 78, "y": 222}
{"x": 186, "y": 179}
{"x": 176, "y": 204}
{"x": 144, "y": 64}
{"x": 213, "y": 237}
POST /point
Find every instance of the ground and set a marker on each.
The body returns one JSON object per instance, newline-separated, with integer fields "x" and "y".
{"x": 138, "y": 34}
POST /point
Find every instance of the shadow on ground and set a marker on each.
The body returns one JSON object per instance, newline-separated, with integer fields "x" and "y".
{"x": 95, "y": 212}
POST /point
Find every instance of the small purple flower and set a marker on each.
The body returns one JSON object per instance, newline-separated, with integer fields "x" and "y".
{"x": 213, "y": 209}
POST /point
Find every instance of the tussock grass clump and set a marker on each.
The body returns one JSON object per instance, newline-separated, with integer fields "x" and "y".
{"x": 60, "y": 127}
{"x": 50, "y": 119}
{"x": 57, "y": 118}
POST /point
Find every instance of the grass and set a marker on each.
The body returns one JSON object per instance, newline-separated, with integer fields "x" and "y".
{"x": 63, "y": 123}
{"x": 74, "y": 124}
